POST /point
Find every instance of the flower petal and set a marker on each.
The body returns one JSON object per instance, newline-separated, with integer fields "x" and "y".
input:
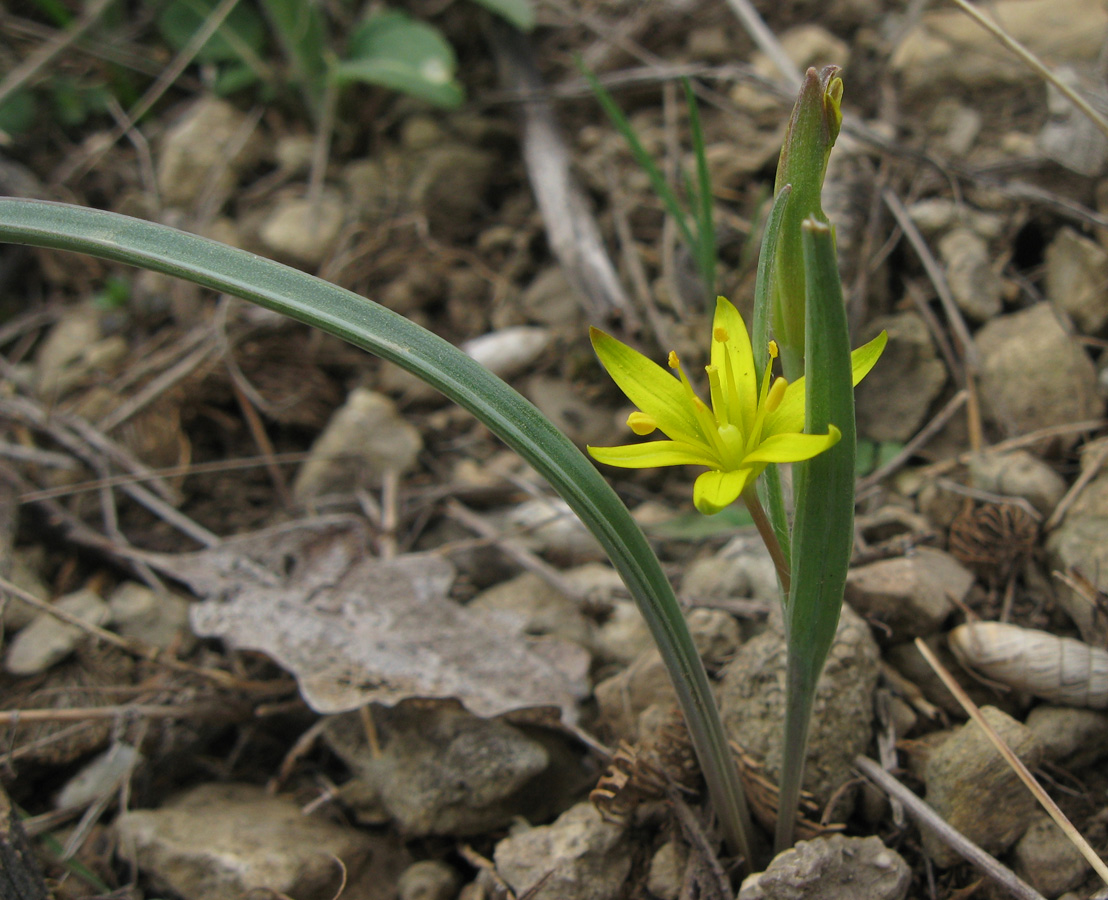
{"x": 650, "y": 387}
{"x": 786, "y": 448}
{"x": 736, "y": 352}
{"x": 650, "y": 454}
{"x": 714, "y": 491}
{"x": 789, "y": 416}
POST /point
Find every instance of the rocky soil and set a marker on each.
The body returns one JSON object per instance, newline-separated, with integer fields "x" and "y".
{"x": 276, "y": 618}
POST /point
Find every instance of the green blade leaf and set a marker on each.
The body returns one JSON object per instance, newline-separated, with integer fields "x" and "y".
{"x": 394, "y": 50}
{"x": 507, "y": 414}
{"x": 823, "y": 533}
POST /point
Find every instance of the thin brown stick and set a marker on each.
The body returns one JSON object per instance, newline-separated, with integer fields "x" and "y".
{"x": 954, "y": 839}
{"x": 1088, "y": 472}
{"x": 913, "y": 446}
{"x": 1015, "y": 762}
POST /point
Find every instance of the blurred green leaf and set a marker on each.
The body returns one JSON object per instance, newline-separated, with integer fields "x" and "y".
{"x": 695, "y": 526}
{"x": 520, "y": 13}
{"x": 17, "y": 113}
{"x": 303, "y": 35}
{"x": 242, "y": 29}
{"x": 396, "y": 51}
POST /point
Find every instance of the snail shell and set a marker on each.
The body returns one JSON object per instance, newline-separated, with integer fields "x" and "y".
{"x": 1054, "y": 668}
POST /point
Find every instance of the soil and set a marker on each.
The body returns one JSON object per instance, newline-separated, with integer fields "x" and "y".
{"x": 144, "y": 416}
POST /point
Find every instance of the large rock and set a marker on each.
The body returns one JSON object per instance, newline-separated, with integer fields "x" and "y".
{"x": 365, "y": 438}
{"x": 578, "y": 857}
{"x": 224, "y": 841}
{"x": 1048, "y": 860}
{"x": 971, "y": 786}
{"x": 1034, "y": 374}
{"x": 912, "y": 595}
{"x": 752, "y": 703}
{"x": 887, "y": 412}
{"x": 832, "y": 868}
{"x": 442, "y": 770}
{"x": 203, "y": 152}
{"x": 1077, "y": 278}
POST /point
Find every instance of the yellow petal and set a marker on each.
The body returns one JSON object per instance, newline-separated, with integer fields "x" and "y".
{"x": 650, "y": 387}
{"x": 715, "y": 491}
{"x": 737, "y": 355}
{"x": 651, "y": 454}
{"x": 786, "y": 448}
{"x": 789, "y": 416}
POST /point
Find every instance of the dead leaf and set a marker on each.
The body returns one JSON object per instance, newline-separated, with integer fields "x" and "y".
{"x": 355, "y": 629}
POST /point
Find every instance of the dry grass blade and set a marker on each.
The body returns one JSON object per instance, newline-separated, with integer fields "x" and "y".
{"x": 1033, "y": 62}
{"x": 1014, "y": 761}
{"x": 957, "y": 841}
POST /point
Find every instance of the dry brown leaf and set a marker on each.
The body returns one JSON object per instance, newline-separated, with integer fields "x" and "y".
{"x": 355, "y": 629}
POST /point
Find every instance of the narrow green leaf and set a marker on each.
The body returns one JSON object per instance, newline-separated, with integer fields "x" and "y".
{"x": 703, "y": 201}
{"x": 507, "y": 414}
{"x": 823, "y": 532}
{"x": 657, "y": 180}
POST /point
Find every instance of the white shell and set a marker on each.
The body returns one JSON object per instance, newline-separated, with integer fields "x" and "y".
{"x": 1055, "y": 668}
{"x": 509, "y": 350}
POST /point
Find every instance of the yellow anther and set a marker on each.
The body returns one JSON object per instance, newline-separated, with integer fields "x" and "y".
{"x": 673, "y": 361}
{"x": 773, "y": 349}
{"x": 775, "y": 394}
{"x": 720, "y": 334}
{"x": 641, "y": 423}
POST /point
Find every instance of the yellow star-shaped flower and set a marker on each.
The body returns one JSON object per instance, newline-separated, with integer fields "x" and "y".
{"x": 748, "y": 425}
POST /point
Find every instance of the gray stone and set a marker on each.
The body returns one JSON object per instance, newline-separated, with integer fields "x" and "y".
{"x": 298, "y": 229}
{"x": 48, "y": 640}
{"x": 204, "y": 151}
{"x": 752, "y": 702}
{"x": 440, "y": 769}
{"x": 935, "y": 215}
{"x": 547, "y": 525}
{"x": 1070, "y": 137}
{"x": 1034, "y": 374}
{"x": 1077, "y": 279}
{"x": 429, "y": 879}
{"x": 536, "y": 608}
{"x": 1070, "y": 737}
{"x": 887, "y": 412}
{"x": 74, "y": 350}
{"x": 912, "y": 595}
{"x": 623, "y": 634}
{"x": 667, "y": 870}
{"x": 449, "y": 183}
{"x": 548, "y": 300}
{"x": 974, "y": 283}
{"x": 581, "y": 421}
{"x": 160, "y": 620}
{"x": 222, "y": 841}
{"x": 1047, "y": 859}
{"x": 832, "y": 868}
{"x": 971, "y": 786}
{"x": 99, "y": 777}
{"x": 1018, "y": 473}
{"x": 364, "y": 439}
{"x": 742, "y": 569}
{"x": 26, "y": 564}
{"x": 586, "y": 858}
{"x": 948, "y": 48}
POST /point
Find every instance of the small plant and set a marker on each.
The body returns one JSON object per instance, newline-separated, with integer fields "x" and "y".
{"x": 753, "y": 423}
{"x": 693, "y": 218}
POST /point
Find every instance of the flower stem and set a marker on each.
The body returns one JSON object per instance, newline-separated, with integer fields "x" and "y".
{"x": 769, "y": 536}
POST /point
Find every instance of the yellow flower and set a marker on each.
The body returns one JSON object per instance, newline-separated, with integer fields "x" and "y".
{"x": 748, "y": 425}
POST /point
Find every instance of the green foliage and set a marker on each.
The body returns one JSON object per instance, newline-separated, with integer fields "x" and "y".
{"x": 234, "y": 49}
{"x": 520, "y": 13}
{"x": 693, "y": 218}
{"x": 18, "y": 113}
{"x": 394, "y": 50}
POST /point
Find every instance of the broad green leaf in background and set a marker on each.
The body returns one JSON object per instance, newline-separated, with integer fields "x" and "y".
{"x": 242, "y": 30}
{"x": 394, "y": 50}
{"x": 302, "y": 33}
{"x": 520, "y": 13}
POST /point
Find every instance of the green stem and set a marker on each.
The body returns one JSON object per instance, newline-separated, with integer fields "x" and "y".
{"x": 800, "y": 696}
{"x": 768, "y": 535}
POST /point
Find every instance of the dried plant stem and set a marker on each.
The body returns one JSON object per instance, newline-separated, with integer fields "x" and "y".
{"x": 954, "y": 839}
{"x": 1033, "y": 62}
{"x": 1015, "y": 762}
